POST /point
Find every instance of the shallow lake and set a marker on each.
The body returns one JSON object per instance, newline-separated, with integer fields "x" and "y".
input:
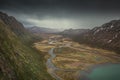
{"x": 107, "y": 72}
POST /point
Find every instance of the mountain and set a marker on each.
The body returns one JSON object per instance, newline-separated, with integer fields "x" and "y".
{"x": 73, "y": 32}
{"x": 106, "y": 36}
{"x": 14, "y": 25}
{"x": 36, "y": 29}
{"x": 18, "y": 59}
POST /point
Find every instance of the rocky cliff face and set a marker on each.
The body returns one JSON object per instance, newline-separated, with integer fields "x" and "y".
{"x": 18, "y": 28}
{"x": 106, "y": 36}
{"x": 13, "y": 24}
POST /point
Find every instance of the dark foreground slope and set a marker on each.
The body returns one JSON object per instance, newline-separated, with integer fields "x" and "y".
{"x": 106, "y": 36}
{"x": 18, "y": 61}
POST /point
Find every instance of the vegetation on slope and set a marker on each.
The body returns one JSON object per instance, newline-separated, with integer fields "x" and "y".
{"x": 19, "y": 61}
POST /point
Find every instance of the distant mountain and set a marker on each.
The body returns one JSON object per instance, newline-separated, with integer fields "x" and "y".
{"x": 36, "y": 29}
{"x": 106, "y": 36}
{"x": 18, "y": 60}
{"x": 73, "y": 32}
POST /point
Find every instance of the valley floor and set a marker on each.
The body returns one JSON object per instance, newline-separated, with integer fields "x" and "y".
{"x": 72, "y": 57}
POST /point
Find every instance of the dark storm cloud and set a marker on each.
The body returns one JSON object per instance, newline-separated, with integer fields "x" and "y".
{"x": 101, "y": 5}
{"x": 69, "y": 13}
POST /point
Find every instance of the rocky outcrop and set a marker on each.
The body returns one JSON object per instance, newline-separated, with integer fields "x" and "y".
{"x": 17, "y": 28}
{"x": 13, "y": 24}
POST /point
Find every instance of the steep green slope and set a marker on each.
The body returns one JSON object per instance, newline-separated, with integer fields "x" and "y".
{"x": 17, "y": 60}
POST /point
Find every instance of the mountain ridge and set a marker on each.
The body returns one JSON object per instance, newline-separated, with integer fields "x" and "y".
{"x": 105, "y": 36}
{"x": 73, "y": 32}
{"x": 36, "y": 29}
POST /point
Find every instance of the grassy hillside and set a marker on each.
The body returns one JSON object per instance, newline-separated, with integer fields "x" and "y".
{"x": 17, "y": 60}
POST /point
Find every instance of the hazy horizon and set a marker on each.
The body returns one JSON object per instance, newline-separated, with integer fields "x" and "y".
{"x": 62, "y": 14}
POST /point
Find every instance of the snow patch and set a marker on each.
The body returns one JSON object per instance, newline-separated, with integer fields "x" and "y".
{"x": 109, "y": 41}
{"x": 96, "y": 31}
{"x": 115, "y": 36}
{"x": 111, "y": 26}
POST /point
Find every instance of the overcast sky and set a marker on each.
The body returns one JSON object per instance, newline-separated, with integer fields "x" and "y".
{"x": 62, "y": 14}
